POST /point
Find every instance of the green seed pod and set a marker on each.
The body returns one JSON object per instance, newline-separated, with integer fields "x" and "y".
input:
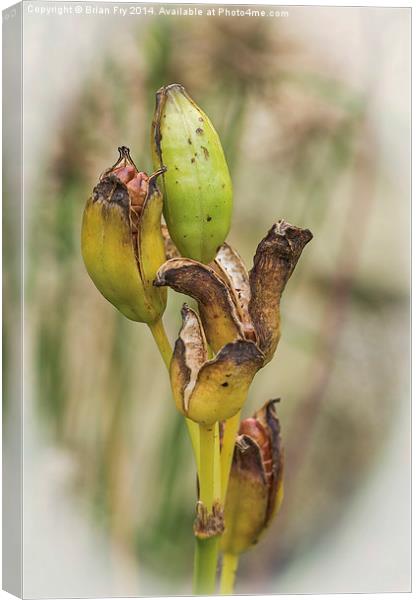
{"x": 121, "y": 240}
{"x": 197, "y": 186}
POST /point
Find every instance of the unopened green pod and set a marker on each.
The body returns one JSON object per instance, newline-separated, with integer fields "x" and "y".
{"x": 197, "y": 187}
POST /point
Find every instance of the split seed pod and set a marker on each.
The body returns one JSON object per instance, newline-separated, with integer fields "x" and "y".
{"x": 206, "y": 390}
{"x": 255, "y": 490}
{"x": 234, "y": 304}
{"x": 121, "y": 239}
{"x": 197, "y": 186}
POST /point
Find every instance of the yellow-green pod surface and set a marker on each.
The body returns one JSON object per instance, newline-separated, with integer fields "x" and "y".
{"x": 197, "y": 186}
{"x": 255, "y": 489}
{"x": 247, "y": 501}
{"x": 123, "y": 262}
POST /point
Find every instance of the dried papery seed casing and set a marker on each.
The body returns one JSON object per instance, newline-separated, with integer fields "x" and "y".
{"x": 218, "y": 312}
{"x": 197, "y": 187}
{"x": 233, "y": 303}
{"x": 121, "y": 240}
{"x": 256, "y": 431}
{"x": 207, "y": 391}
{"x": 275, "y": 260}
{"x": 255, "y": 488}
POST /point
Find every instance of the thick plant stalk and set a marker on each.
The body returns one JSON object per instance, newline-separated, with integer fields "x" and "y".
{"x": 206, "y": 551}
{"x": 230, "y": 430}
{"x": 164, "y": 347}
{"x": 207, "y": 453}
{"x": 230, "y": 561}
{"x": 205, "y": 566}
{"x": 217, "y": 464}
{"x": 229, "y": 568}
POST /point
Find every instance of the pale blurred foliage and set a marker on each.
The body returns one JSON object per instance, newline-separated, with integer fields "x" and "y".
{"x": 302, "y": 145}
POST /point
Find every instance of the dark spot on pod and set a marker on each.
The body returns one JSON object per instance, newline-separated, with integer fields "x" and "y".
{"x": 199, "y": 131}
{"x": 176, "y": 168}
{"x": 189, "y": 141}
{"x": 201, "y": 119}
{"x": 225, "y": 384}
{"x": 193, "y": 160}
{"x": 176, "y": 181}
{"x": 228, "y": 374}
{"x": 223, "y": 185}
{"x": 119, "y": 197}
{"x": 205, "y": 152}
{"x": 208, "y": 218}
{"x": 110, "y": 189}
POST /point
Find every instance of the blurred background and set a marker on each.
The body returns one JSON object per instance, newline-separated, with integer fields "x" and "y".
{"x": 313, "y": 110}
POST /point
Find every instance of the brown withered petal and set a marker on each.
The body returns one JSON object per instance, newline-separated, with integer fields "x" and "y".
{"x": 233, "y": 271}
{"x": 275, "y": 259}
{"x": 208, "y": 524}
{"x": 267, "y": 417}
{"x": 218, "y": 311}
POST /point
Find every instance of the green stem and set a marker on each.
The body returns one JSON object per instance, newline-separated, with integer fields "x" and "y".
{"x": 206, "y": 448}
{"x": 207, "y": 451}
{"x": 164, "y": 347}
{"x": 230, "y": 561}
{"x": 217, "y": 487}
{"x": 229, "y": 568}
{"x": 230, "y": 430}
{"x": 205, "y": 566}
{"x": 162, "y": 341}
{"x": 206, "y": 551}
